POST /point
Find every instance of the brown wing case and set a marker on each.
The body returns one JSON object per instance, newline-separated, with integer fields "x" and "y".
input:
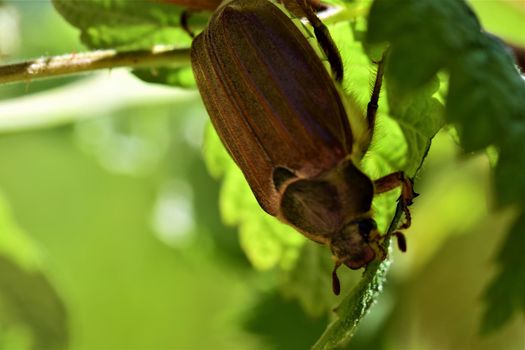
{"x": 269, "y": 97}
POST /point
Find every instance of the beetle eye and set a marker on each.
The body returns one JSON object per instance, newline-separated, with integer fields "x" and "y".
{"x": 365, "y": 226}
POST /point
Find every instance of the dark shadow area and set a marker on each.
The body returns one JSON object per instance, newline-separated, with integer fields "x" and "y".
{"x": 282, "y": 324}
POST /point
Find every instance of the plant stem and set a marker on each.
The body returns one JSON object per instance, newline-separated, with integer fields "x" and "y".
{"x": 75, "y": 63}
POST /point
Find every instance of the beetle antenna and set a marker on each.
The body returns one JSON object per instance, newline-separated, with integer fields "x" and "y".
{"x": 336, "y": 284}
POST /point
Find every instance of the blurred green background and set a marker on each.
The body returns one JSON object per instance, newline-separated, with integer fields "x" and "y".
{"x": 111, "y": 237}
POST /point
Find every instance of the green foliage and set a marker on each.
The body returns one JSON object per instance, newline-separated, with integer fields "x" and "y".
{"x": 124, "y": 24}
{"x": 181, "y": 77}
{"x": 354, "y": 307}
{"x": 28, "y": 301}
{"x": 266, "y": 242}
{"x": 485, "y": 100}
{"x": 505, "y": 294}
{"x": 309, "y": 280}
{"x": 131, "y": 25}
{"x": 276, "y": 322}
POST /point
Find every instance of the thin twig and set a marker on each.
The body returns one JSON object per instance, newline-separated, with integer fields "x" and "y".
{"x": 89, "y": 61}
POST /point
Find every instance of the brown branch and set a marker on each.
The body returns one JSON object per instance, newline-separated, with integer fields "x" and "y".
{"x": 89, "y": 61}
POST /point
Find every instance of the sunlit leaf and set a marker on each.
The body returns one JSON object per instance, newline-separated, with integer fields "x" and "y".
{"x": 267, "y": 242}
{"x": 126, "y": 25}
{"x": 181, "y": 77}
{"x": 485, "y": 99}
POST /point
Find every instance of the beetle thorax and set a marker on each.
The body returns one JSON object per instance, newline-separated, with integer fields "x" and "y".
{"x": 321, "y": 207}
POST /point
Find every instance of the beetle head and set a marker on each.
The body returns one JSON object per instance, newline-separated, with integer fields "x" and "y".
{"x": 355, "y": 246}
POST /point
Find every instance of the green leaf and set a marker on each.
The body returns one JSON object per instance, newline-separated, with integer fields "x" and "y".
{"x": 266, "y": 242}
{"x": 124, "y": 24}
{"x": 28, "y": 298}
{"x": 485, "y": 99}
{"x": 420, "y": 117}
{"x": 354, "y": 307}
{"x": 505, "y": 294}
{"x": 29, "y": 304}
{"x": 179, "y": 77}
{"x": 424, "y": 36}
{"x": 486, "y": 88}
{"x": 309, "y": 280}
{"x": 132, "y": 25}
{"x": 510, "y": 186}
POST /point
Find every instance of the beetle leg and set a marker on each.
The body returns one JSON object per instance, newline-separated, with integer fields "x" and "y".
{"x": 364, "y": 137}
{"x": 401, "y": 242}
{"x": 371, "y": 108}
{"x": 184, "y": 18}
{"x": 376, "y": 237}
{"x": 389, "y": 182}
{"x": 323, "y": 37}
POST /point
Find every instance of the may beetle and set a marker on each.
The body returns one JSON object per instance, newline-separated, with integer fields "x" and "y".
{"x": 282, "y": 119}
